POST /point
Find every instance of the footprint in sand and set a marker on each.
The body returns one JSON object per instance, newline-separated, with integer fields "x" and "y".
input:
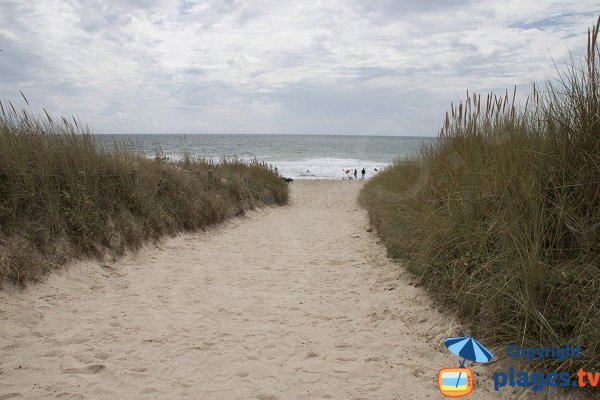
{"x": 343, "y": 346}
{"x": 267, "y": 397}
{"x": 90, "y": 369}
{"x": 10, "y": 396}
{"x": 345, "y": 359}
{"x": 69, "y": 396}
{"x": 70, "y": 365}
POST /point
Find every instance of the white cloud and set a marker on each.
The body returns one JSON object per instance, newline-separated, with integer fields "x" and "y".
{"x": 388, "y": 67}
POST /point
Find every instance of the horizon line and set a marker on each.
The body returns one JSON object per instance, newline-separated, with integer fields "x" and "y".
{"x": 267, "y": 134}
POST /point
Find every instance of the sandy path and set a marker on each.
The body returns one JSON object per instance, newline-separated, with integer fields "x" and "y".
{"x": 295, "y": 302}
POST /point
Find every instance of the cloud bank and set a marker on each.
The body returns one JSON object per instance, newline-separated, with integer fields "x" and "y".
{"x": 323, "y": 67}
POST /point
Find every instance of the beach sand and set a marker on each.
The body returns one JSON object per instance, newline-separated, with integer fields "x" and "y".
{"x": 290, "y": 302}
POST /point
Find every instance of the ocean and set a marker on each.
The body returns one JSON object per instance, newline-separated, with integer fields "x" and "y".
{"x": 295, "y": 156}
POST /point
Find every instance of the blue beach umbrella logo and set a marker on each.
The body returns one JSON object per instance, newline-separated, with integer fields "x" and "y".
{"x": 458, "y": 382}
{"x": 468, "y": 348}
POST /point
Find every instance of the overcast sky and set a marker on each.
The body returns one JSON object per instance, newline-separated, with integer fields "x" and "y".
{"x": 320, "y": 67}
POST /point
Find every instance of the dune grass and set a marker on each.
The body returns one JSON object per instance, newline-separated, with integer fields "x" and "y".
{"x": 64, "y": 196}
{"x": 501, "y": 218}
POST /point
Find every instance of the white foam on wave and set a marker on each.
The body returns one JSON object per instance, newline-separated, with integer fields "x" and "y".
{"x": 313, "y": 168}
{"x": 325, "y": 168}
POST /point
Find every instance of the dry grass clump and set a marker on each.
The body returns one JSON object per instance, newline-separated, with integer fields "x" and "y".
{"x": 61, "y": 195}
{"x": 501, "y": 218}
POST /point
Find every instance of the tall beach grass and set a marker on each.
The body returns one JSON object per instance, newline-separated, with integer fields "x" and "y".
{"x": 62, "y": 195}
{"x": 501, "y": 218}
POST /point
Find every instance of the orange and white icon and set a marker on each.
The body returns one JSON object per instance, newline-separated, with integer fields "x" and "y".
{"x": 455, "y": 382}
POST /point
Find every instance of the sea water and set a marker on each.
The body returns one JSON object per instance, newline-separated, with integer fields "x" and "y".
{"x": 295, "y": 156}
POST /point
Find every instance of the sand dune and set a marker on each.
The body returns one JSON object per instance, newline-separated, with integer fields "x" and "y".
{"x": 295, "y": 302}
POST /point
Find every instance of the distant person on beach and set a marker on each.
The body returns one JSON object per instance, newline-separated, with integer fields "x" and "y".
{"x": 355, "y": 174}
{"x": 363, "y": 172}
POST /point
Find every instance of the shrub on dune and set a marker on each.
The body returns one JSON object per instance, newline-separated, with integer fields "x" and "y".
{"x": 501, "y": 218}
{"x": 63, "y": 195}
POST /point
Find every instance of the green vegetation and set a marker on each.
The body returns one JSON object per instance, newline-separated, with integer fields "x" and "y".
{"x": 501, "y": 218}
{"x": 62, "y": 196}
